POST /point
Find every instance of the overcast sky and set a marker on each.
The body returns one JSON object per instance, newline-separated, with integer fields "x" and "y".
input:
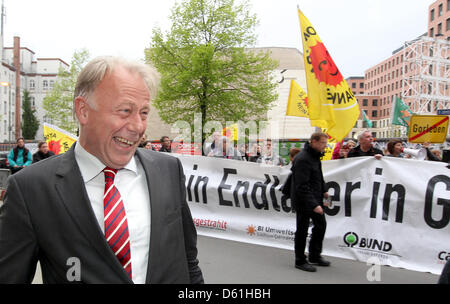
{"x": 357, "y": 33}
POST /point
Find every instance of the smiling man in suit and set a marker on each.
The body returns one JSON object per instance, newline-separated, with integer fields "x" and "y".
{"x": 119, "y": 212}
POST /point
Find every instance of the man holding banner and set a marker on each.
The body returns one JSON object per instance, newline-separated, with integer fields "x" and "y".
{"x": 307, "y": 194}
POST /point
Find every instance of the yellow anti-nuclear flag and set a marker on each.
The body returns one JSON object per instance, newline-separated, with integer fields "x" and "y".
{"x": 329, "y": 97}
{"x": 297, "y": 102}
{"x": 58, "y": 140}
{"x": 298, "y": 105}
{"x": 231, "y": 132}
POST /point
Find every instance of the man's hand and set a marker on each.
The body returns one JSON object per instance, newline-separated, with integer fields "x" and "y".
{"x": 378, "y": 156}
{"x": 318, "y": 210}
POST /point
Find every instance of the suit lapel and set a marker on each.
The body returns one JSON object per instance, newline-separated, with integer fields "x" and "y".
{"x": 72, "y": 192}
{"x": 153, "y": 174}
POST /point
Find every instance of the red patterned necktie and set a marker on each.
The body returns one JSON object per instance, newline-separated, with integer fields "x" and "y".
{"x": 116, "y": 225}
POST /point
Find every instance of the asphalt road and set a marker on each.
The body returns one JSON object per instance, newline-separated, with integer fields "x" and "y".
{"x": 229, "y": 262}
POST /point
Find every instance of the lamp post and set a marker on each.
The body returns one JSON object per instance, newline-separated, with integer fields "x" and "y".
{"x": 8, "y": 84}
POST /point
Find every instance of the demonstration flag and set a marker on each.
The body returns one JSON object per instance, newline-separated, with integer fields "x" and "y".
{"x": 401, "y": 113}
{"x": 297, "y": 102}
{"x": 366, "y": 119}
{"x": 231, "y": 132}
{"x": 58, "y": 140}
{"x": 329, "y": 96}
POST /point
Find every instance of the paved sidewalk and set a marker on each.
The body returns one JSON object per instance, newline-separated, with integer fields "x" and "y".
{"x": 229, "y": 262}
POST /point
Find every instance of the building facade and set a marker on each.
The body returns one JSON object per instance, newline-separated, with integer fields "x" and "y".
{"x": 439, "y": 19}
{"x": 20, "y": 71}
{"x": 418, "y": 73}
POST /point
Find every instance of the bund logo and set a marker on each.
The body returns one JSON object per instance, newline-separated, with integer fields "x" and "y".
{"x": 251, "y": 230}
{"x": 351, "y": 239}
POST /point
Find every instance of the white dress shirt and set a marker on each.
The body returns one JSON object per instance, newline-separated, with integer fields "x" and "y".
{"x": 132, "y": 185}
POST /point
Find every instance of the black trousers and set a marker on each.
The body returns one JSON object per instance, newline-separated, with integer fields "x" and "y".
{"x": 318, "y": 233}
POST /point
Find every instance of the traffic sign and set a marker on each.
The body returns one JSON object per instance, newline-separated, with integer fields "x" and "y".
{"x": 428, "y": 128}
{"x": 443, "y": 112}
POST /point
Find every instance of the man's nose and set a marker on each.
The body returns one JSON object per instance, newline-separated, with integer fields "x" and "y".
{"x": 136, "y": 124}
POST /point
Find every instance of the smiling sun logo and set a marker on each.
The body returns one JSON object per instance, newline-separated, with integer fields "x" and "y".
{"x": 251, "y": 230}
{"x": 324, "y": 67}
{"x": 55, "y": 146}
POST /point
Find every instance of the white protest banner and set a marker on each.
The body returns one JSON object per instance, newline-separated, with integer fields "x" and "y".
{"x": 396, "y": 210}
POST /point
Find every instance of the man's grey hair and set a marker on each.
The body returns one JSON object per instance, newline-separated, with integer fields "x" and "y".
{"x": 360, "y": 134}
{"x": 97, "y": 69}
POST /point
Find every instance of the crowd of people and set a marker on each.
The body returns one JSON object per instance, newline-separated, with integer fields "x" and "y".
{"x": 221, "y": 147}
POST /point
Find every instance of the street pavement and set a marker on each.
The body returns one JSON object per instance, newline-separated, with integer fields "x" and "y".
{"x": 229, "y": 262}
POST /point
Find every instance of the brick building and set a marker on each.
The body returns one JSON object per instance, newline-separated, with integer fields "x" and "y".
{"x": 439, "y": 19}
{"x": 417, "y": 72}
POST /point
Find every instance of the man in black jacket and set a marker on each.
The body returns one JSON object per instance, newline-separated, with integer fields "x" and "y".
{"x": 307, "y": 194}
{"x": 165, "y": 145}
{"x": 365, "y": 147}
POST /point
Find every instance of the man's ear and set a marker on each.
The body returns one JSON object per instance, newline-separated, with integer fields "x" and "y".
{"x": 81, "y": 109}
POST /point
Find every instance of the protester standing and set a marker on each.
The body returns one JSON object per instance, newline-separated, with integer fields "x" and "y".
{"x": 395, "y": 148}
{"x": 19, "y": 157}
{"x": 165, "y": 145}
{"x": 227, "y": 150}
{"x": 42, "y": 153}
{"x": 365, "y": 147}
{"x": 307, "y": 194}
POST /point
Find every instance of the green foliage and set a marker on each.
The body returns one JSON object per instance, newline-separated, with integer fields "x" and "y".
{"x": 206, "y": 65}
{"x": 30, "y": 124}
{"x": 58, "y": 103}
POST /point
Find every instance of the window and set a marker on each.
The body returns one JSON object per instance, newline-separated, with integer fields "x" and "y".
{"x": 448, "y": 5}
{"x": 354, "y": 85}
{"x": 439, "y": 29}
{"x": 440, "y": 9}
{"x": 52, "y": 82}
{"x": 431, "y": 32}
{"x": 32, "y": 84}
{"x": 432, "y": 15}
{"x": 361, "y": 85}
{"x": 365, "y": 102}
{"x": 33, "y": 102}
{"x": 45, "y": 84}
{"x": 448, "y": 24}
{"x": 374, "y": 113}
{"x": 375, "y": 102}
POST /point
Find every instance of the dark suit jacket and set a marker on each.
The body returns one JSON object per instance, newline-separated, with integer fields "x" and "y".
{"x": 307, "y": 185}
{"x": 47, "y": 217}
